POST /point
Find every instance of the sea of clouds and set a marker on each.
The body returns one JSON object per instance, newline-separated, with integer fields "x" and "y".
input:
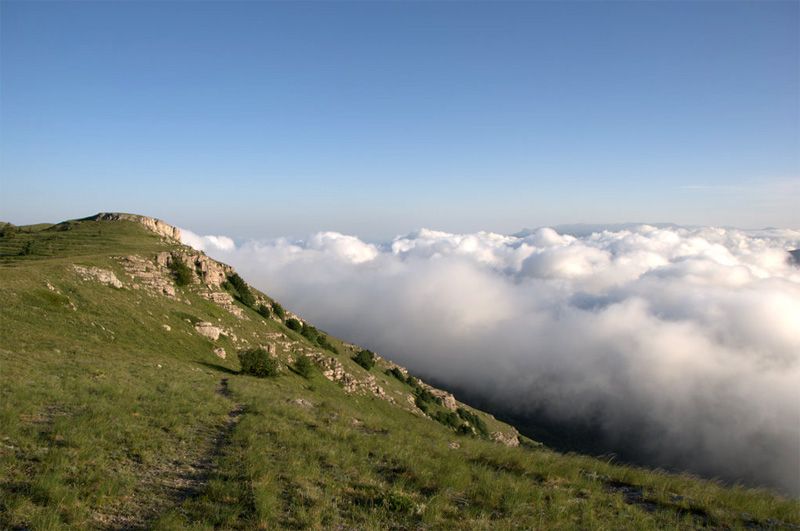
{"x": 684, "y": 340}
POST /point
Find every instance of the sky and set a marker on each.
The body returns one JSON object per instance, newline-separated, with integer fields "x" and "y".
{"x": 376, "y": 119}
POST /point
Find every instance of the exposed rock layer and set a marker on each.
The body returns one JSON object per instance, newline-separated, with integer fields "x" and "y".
{"x": 152, "y": 224}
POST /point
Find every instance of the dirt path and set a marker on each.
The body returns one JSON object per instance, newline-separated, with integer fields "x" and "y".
{"x": 169, "y": 483}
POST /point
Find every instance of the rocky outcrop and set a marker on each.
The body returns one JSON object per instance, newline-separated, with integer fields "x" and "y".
{"x": 208, "y": 330}
{"x": 103, "y": 276}
{"x": 223, "y": 300}
{"x": 148, "y": 275}
{"x": 508, "y": 439}
{"x": 209, "y": 271}
{"x": 155, "y": 225}
{"x": 220, "y": 353}
{"x": 448, "y": 400}
{"x": 333, "y": 370}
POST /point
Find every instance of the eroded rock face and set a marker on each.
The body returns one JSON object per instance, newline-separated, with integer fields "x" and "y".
{"x": 223, "y": 300}
{"x": 208, "y": 330}
{"x": 448, "y": 400}
{"x": 508, "y": 439}
{"x": 333, "y": 370}
{"x": 103, "y": 276}
{"x": 209, "y": 271}
{"x": 152, "y": 224}
{"x": 149, "y": 275}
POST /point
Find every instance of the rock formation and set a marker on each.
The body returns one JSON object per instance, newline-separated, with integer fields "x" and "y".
{"x": 208, "y": 330}
{"x": 104, "y": 276}
{"x": 148, "y": 275}
{"x": 152, "y": 224}
{"x": 508, "y": 439}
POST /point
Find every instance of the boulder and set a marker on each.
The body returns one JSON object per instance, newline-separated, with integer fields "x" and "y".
{"x": 220, "y": 352}
{"x": 208, "y": 330}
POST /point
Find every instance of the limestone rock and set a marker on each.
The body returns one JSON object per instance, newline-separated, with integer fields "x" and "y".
{"x": 150, "y": 275}
{"x": 211, "y": 272}
{"x": 152, "y": 224}
{"x": 104, "y": 276}
{"x": 223, "y": 300}
{"x": 302, "y": 402}
{"x": 220, "y": 352}
{"x": 508, "y": 439}
{"x": 208, "y": 330}
{"x": 166, "y": 327}
{"x": 448, "y": 400}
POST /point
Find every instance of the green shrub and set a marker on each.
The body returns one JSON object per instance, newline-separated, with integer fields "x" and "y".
{"x": 365, "y": 358}
{"x": 465, "y": 429}
{"x": 448, "y": 418}
{"x": 263, "y": 309}
{"x": 294, "y": 324}
{"x": 180, "y": 272}
{"x": 422, "y": 395}
{"x": 309, "y": 332}
{"x": 474, "y": 420}
{"x": 422, "y": 405}
{"x": 7, "y": 230}
{"x": 397, "y": 373}
{"x": 322, "y": 341}
{"x": 304, "y": 366}
{"x": 241, "y": 290}
{"x": 257, "y": 362}
{"x": 278, "y": 310}
{"x": 27, "y": 248}
{"x": 316, "y": 337}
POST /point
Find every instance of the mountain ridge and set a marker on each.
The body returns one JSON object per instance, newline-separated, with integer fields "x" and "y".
{"x": 123, "y": 398}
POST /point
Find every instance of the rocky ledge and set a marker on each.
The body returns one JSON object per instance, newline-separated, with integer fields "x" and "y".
{"x": 155, "y": 225}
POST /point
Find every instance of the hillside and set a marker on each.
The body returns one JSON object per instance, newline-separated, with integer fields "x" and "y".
{"x": 124, "y": 406}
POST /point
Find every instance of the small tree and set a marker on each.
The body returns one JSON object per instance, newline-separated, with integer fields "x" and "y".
{"x": 309, "y": 332}
{"x": 243, "y": 292}
{"x": 278, "y": 310}
{"x": 365, "y": 358}
{"x": 180, "y": 272}
{"x": 293, "y": 324}
{"x": 304, "y": 366}
{"x": 263, "y": 309}
{"x": 397, "y": 373}
{"x": 322, "y": 341}
{"x": 448, "y": 418}
{"x": 257, "y": 362}
{"x": 27, "y": 248}
{"x": 474, "y": 420}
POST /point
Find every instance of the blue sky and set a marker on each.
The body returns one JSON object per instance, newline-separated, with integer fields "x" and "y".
{"x": 262, "y": 119}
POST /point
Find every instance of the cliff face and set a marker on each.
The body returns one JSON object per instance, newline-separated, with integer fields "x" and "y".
{"x": 153, "y": 224}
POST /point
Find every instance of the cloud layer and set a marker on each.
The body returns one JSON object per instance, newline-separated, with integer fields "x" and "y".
{"x": 686, "y": 341}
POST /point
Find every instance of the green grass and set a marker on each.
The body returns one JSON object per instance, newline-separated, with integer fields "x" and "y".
{"x": 108, "y": 420}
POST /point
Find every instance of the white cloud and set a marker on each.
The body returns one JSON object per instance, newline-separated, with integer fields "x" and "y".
{"x": 207, "y": 243}
{"x": 687, "y": 339}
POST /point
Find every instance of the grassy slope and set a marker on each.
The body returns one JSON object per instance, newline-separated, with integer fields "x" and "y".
{"x": 109, "y": 420}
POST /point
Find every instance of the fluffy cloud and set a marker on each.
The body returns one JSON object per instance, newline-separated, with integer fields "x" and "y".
{"x": 681, "y": 346}
{"x": 211, "y": 244}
